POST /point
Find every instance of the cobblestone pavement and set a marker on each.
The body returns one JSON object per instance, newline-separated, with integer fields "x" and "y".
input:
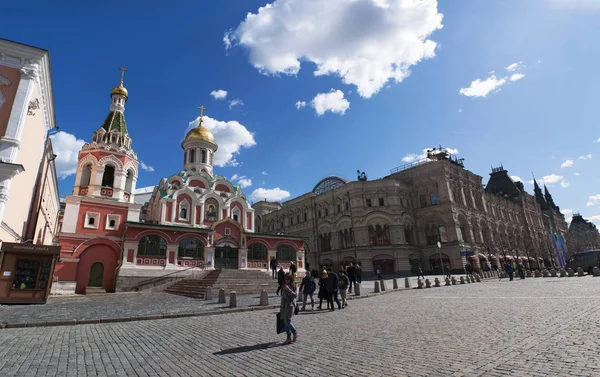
{"x": 535, "y": 327}
{"x": 121, "y": 305}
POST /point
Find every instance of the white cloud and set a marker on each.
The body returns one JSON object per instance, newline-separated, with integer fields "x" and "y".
{"x": 566, "y": 211}
{"x": 459, "y": 110}
{"x": 539, "y": 61}
{"x": 514, "y": 66}
{"x": 231, "y": 136}
{"x": 593, "y": 200}
{"x": 146, "y": 167}
{"x": 481, "y": 88}
{"x": 66, "y": 147}
{"x": 597, "y": 140}
{"x": 595, "y": 219}
{"x": 271, "y": 195}
{"x": 586, "y": 157}
{"x": 549, "y": 179}
{"x": 516, "y": 76}
{"x": 412, "y": 157}
{"x": 244, "y": 182}
{"x": 366, "y": 43}
{"x": 564, "y": 183}
{"x": 577, "y": 174}
{"x": 235, "y": 102}
{"x": 300, "y": 104}
{"x": 581, "y": 5}
{"x": 516, "y": 178}
{"x": 219, "y": 94}
{"x": 264, "y": 173}
{"x": 567, "y": 164}
{"x": 234, "y": 177}
{"x": 333, "y": 101}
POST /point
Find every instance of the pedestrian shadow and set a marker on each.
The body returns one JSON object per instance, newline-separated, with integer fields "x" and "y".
{"x": 243, "y": 349}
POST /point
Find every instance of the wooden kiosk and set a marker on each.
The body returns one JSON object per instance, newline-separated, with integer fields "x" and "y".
{"x": 26, "y": 272}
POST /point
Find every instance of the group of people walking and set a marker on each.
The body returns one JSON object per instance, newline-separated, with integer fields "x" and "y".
{"x": 330, "y": 284}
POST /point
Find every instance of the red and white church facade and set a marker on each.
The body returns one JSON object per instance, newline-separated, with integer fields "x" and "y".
{"x": 193, "y": 218}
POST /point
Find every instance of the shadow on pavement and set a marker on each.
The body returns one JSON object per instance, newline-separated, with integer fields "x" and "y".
{"x": 243, "y": 349}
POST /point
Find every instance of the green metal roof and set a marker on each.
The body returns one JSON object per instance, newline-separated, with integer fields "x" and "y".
{"x": 115, "y": 121}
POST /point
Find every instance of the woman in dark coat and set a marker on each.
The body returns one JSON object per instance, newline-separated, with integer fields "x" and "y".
{"x": 286, "y": 310}
{"x": 323, "y": 290}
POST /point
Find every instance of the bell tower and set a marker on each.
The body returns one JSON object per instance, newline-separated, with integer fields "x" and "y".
{"x": 199, "y": 148}
{"x": 108, "y": 166}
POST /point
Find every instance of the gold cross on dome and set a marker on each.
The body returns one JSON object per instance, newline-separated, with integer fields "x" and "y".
{"x": 202, "y": 108}
{"x": 123, "y": 69}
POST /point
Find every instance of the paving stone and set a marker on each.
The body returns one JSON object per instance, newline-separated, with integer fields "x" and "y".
{"x": 531, "y": 327}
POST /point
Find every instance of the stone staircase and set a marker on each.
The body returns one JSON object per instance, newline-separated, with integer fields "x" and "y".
{"x": 241, "y": 281}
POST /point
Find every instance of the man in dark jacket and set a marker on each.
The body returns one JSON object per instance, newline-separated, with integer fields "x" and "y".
{"x": 351, "y": 273}
{"x": 332, "y": 285}
{"x": 308, "y": 288}
{"x": 280, "y": 279}
{"x": 274, "y": 267}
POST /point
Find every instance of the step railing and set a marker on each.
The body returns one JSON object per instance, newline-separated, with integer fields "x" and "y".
{"x": 153, "y": 281}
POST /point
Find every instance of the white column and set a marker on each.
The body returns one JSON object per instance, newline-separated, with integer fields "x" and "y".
{"x": 193, "y": 214}
{"x": 133, "y": 185}
{"x": 11, "y": 141}
{"x": 96, "y": 178}
{"x": 119, "y": 184}
{"x": 163, "y": 211}
{"x": 202, "y": 214}
{"x": 173, "y": 210}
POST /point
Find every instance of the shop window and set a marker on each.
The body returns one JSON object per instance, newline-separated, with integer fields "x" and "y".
{"x": 381, "y": 202}
{"x": 31, "y": 274}
{"x": 368, "y": 202}
{"x": 91, "y": 220}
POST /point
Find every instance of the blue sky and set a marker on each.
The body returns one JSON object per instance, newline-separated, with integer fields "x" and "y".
{"x": 327, "y": 88}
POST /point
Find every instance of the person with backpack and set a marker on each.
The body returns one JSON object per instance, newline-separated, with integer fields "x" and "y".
{"x": 343, "y": 284}
{"x": 308, "y": 288}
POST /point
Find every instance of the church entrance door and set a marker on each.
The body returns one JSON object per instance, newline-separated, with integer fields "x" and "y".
{"x": 96, "y": 274}
{"x": 226, "y": 258}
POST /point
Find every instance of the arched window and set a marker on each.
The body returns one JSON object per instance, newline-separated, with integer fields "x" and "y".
{"x": 423, "y": 200}
{"x": 257, "y": 252}
{"x": 108, "y": 178}
{"x": 433, "y": 198}
{"x": 86, "y": 174}
{"x": 152, "y": 246}
{"x": 192, "y": 155}
{"x": 204, "y": 156}
{"x": 408, "y": 236}
{"x": 191, "y": 248}
{"x": 342, "y": 240}
{"x": 129, "y": 181}
{"x": 372, "y": 236}
{"x": 184, "y": 208}
{"x": 286, "y": 253}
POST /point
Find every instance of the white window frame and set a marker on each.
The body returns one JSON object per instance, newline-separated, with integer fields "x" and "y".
{"x": 117, "y": 219}
{"x": 95, "y": 216}
{"x": 184, "y": 204}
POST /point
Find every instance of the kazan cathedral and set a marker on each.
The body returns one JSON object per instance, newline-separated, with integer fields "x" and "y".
{"x": 193, "y": 219}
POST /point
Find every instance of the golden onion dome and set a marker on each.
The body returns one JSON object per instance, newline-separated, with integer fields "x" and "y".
{"x": 120, "y": 90}
{"x": 200, "y": 133}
